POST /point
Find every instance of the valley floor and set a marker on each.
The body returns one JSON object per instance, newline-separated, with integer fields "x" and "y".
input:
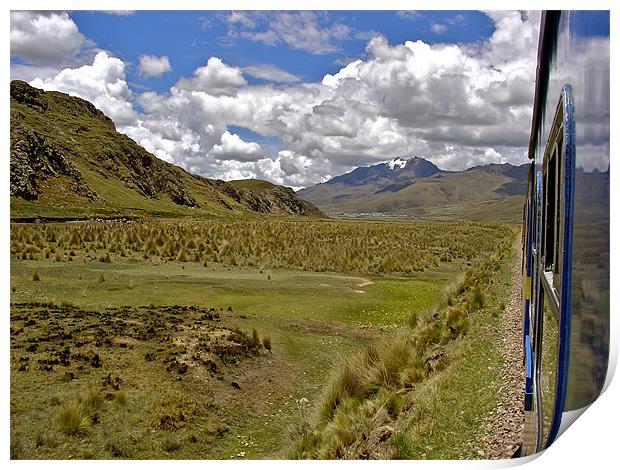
{"x": 153, "y": 357}
{"x": 312, "y": 319}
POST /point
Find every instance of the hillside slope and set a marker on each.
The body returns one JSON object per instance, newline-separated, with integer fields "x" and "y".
{"x": 416, "y": 187}
{"x": 68, "y": 160}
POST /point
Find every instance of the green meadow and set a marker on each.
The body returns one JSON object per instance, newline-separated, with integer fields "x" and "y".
{"x": 221, "y": 338}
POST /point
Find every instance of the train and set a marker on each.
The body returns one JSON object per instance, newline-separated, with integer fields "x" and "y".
{"x": 566, "y": 226}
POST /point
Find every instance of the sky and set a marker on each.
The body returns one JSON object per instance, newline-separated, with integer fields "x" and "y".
{"x": 294, "y": 97}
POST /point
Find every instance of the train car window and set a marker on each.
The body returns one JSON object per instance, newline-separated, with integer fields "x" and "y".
{"x": 553, "y": 186}
{"x": 550, "y": 209}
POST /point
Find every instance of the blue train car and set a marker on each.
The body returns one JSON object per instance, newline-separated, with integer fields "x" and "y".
{"x": 566, "y": 226}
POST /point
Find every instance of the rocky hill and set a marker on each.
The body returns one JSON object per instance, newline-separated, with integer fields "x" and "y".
{"x": 415, "y": 187}
{"x": 68, "y": 160}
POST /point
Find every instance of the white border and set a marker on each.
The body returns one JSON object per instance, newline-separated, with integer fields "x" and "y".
{"x": 590, "y": 443}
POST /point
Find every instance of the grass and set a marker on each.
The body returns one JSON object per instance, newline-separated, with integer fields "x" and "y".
{"x": 437, "y": 358}
{"x": 289, "y": 294}
{"x": 142, "y": 374}
{"x": 316, "y": 246}
{"x": 72, "y": 421}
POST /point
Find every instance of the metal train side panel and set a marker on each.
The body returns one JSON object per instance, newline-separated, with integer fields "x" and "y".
{"x": 574, "y": 50}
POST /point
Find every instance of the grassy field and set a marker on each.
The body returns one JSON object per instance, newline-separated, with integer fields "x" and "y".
{"x": 424, "y": 393}
{"x": 212, "y": 343}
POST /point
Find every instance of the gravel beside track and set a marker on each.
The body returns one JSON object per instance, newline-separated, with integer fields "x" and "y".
{"x": 504, "y": 426}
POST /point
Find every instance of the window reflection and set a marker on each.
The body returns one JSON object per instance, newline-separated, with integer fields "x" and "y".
{"x": 548, "y": 366}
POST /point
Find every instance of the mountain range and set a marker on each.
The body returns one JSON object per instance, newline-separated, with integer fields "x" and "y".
{"x": 415, "y": 187}
{"x": 68, "y": 161}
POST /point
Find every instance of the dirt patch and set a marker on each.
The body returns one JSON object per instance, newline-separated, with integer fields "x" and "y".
{"x": 182, "y": 358}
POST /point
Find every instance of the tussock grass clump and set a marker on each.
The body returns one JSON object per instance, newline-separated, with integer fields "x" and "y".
{"x": 92, "y": 402}
{"x": 72, "y": 420}
{"x": 36, "y": 277}
{"x": 267, "y": 342}
{"x": 347, "y": 382}
{"x": 75, "y": 417}
{"x": 171, "y": 444}
{"x": 477, "y": 300}
{"x": 456, "y": 321}
{"x": 363, "y": 375}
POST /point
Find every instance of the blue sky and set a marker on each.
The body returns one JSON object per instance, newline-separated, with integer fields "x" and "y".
{"x": 192, "y": 37}
{"x": 295, "y": 97}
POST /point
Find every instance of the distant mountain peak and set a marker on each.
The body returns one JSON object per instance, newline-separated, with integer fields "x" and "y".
{"x": 414, "y": 186}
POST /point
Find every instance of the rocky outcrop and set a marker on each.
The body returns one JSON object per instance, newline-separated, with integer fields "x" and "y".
{"x": 279, "y": 199}
{"x": 34, "y": 159}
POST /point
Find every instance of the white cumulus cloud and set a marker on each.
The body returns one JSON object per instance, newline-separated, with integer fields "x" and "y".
{"x": 153, "y": 66}
{"x": 233, "y": 147}
{"x": 44, "y": 37}
{"x": 307, "y": 30}
{"x": 270, "y": 73}
{"x": 216, "y": 78}
{"x": 102, "y": 83}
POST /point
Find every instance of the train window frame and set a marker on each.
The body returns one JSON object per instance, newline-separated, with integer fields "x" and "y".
{"x": 552, "y": 211}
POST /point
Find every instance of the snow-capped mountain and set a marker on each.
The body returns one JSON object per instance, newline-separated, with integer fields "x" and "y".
{"x": 415, "y": 186}
{"x": 398, "y": 169}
